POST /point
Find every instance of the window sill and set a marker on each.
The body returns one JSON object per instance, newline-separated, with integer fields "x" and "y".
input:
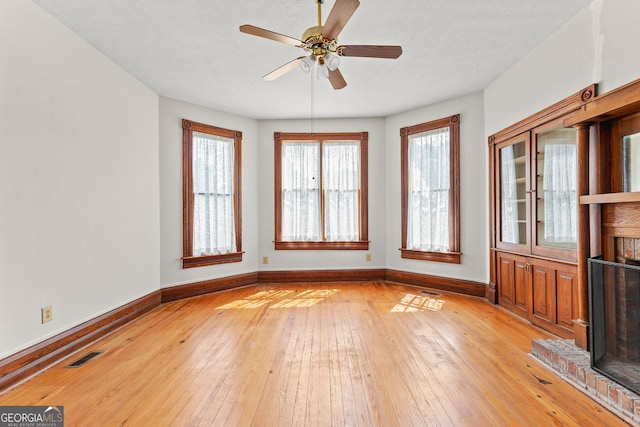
{"x": 362, "y": 245}
{"x": 201, "y": 261}
{"x": 450, "y": 257}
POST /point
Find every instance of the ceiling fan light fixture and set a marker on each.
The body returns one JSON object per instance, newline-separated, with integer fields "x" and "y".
{"x": 306, "y": 64}
{"x": 320, "y": 43}
{"x": 332, "y": 60}
{"x": 323, "y": 71}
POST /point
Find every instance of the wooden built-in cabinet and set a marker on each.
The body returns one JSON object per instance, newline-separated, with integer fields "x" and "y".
{"x": 545, "y": 280}
{"x": 534, "y": 217}
{"x": 541, "y": 291}
{"x": 514, "y": 283}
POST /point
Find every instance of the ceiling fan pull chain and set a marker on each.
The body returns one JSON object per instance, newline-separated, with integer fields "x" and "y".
{"x": 312, "y": 103}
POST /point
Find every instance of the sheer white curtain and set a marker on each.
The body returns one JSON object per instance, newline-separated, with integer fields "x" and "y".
{"x": 213, "y": 225}
{"x": 341, "y": 175}
{"x": 301, "y": 220}
{"x": 509, "y": 196}
{"x": 560, "y": 200}
{"x": 429, "y": 186}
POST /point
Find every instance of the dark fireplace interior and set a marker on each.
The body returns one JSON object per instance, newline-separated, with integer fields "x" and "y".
{"x": 615, "y": 314}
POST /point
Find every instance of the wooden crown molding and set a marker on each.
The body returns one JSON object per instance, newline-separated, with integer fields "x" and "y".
{"x": 561, "y": 108}
{"x": 613, "y": 104}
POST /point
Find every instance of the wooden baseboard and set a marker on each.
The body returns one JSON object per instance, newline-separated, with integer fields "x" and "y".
{"x": 321, "y": 276}
{"x": 581, "y": 334}
{"x": 31, "y": 360}
{"x": 189, "y": 290}
{"x": 465, "y": 287}
{"x": 490, "y": 293}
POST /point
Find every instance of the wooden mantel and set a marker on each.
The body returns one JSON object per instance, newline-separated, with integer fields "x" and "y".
{"x": 593, "y": 199}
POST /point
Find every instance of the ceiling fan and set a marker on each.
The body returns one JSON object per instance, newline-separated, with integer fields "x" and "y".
{"x": 321, "y": 43}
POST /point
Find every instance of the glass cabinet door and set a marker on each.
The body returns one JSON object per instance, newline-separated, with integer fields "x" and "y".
{"x": 554, "y": 183}
{"x": 512, "y": 193}
{"x": 625, "y": 150}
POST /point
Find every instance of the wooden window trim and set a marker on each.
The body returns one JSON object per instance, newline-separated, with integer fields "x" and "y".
{"x": 188, "y": 260}
{"x": 453, "y": 255}
{"x": 450, "y": 257}
{"x": 363, "y": 242}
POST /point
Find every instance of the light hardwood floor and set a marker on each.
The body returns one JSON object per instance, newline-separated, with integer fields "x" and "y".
{"x": 365, "y": 354}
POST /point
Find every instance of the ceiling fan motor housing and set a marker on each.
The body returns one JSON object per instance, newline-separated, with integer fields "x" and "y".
{"x": 315, "y": 44}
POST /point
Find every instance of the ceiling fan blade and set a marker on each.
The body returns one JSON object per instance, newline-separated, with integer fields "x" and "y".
{"x": 336, "y": 79}
{"x": 261, "y": 32}
{"x": 338, "y": 18}
{"x": 283, "y": 70}
{"x": 371, "y": 51}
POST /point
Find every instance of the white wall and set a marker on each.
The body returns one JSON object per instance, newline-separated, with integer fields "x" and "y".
{"x": 79, "y": 223}
{"x": 91, "y": 213}
{"x": 171, "y": 114}
{"x": 322, "y": 260}
{"x": 620, "y": 33}
{"x": 597, "y": 45}
{"x": 473, "y": 194}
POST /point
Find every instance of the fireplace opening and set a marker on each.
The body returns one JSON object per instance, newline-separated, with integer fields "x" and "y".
{"x": 614, "y": 296}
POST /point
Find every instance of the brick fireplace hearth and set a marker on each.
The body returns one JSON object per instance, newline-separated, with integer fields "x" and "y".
{"x": 573, "y": 365}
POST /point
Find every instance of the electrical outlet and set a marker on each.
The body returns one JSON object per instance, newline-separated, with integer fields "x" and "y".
{"x": 265, "y": 260}
{"x": 367, "y": 257}
{"x": 47, "y": 314}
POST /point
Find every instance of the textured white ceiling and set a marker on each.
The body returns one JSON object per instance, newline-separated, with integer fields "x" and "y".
{"x": 192, "y": 50}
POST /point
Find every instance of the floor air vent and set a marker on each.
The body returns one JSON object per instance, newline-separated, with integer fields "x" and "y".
{"x": 84, "y": 359}
{"x": 432, "y": 293}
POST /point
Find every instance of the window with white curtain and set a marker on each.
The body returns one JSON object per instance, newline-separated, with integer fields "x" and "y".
{"x": 341, "y": 186}
{"x": 301, "y": 215}
{"x": 430, "y": 193}
{"x": 321, "y": 191}
{"x": 559, "y": 193}
{"x": 211, "y": 189}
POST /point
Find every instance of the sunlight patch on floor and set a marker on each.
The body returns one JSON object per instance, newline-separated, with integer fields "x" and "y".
{"x": 281, "y": 299}
{"x": 413, "y": 303}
